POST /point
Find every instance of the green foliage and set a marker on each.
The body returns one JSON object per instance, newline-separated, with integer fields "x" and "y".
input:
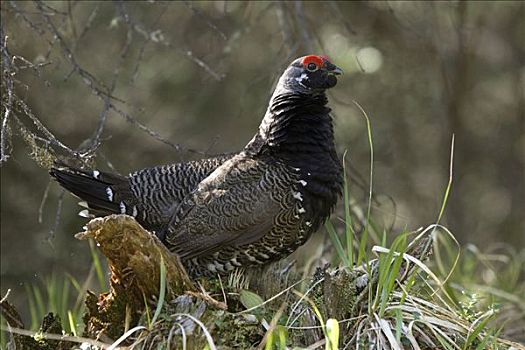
{"x": 433, "y": 305}
{"x": 277, "y": 338}
{"x": 250, "y": 299}
{"x": 61, "y": 295}
{"x": 389, "y": 272}
{"x": 332, "y": 334}
{"x": 97, "y": 265}
{"x": 162, "y": 291}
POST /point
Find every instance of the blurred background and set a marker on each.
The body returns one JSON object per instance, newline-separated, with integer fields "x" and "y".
{"x": 187, "y": 79}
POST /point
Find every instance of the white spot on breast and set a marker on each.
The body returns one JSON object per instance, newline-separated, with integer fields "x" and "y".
{"x": 122, "y": 208}
{"x": 298, "y": 196}
{"x": 135, "y": 211}
{"x": 235, "y": 262}
{"x": 302, "y": 182}
{"x": 96, "y": 173}
{"x": 297, "y": 169}
{"x": 219, "y": 266}
{"x": 264, "y": 256}
{"x": 84, "y": 213}
{"x": 309, "y": 224}
{"x": 301, "y": 210}
{"x": 109, "y": 192}
{"x": 309, "y": 174}
{"x": 296, "y": 216}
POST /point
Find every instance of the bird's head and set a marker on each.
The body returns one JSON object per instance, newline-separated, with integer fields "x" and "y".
{"x": 298, "y": 99}
{"x": 310, "y": 74}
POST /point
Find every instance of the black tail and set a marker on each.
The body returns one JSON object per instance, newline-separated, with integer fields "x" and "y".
{"x": 104, "y": 193}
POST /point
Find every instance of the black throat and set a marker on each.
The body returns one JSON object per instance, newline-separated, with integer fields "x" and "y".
{"x": 297, "y": 129}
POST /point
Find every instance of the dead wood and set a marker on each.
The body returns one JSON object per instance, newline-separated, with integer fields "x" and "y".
{"x": 134, "y": 256}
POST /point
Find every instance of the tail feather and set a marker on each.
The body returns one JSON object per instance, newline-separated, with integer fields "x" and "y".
{"x": 104, "y": 193}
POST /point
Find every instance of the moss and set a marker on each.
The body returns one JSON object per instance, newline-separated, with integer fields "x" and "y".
{"x": 108, "y": 313}
{"x": 238, "y": 331}
{"x": 39, "y": 154}
{"x": 51, "y": 324}
{"x": 339, "y": 293}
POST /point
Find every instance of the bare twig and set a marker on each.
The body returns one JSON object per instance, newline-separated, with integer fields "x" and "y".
{"x": 95, "y": 140}
{"x": 135, "y": 73}
{"x": 52, "y": 10}
{"x": 102, "y": 91}
{"x": 43, "y": 202}
{"x": 303, "y": 26}
{"x": 130, "y": 119}
{"x": 87, "y": 26}
{"x": 282, "y": 17}
{"x": 158, "y": 36}
{"x": 58, "y": 216}
{"x": 334, "y": 7}
{"x": 44, "y": 335}
{"x": 41, "y": 127}
{"x": 22, "y": 14}
{"x": 6, "y": 74}
{"x": 70, "y": 17}
{"x": 87, "y": 77}
{"x": 206, "y": 19}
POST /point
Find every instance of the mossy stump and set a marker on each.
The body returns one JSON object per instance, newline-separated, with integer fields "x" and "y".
{"x": 134, "y": 256}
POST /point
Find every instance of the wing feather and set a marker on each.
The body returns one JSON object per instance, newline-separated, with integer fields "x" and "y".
{"x": 234, "y": 206}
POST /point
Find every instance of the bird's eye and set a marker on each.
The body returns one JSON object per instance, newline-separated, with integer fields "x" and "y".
{"x": 312, "y": 67}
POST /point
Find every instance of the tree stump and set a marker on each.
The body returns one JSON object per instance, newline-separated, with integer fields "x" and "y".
{"x": 134, "y": 256}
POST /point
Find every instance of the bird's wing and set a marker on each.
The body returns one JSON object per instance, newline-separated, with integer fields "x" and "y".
{"x": 160, "y": 189}
{"x": 234, "y": 206}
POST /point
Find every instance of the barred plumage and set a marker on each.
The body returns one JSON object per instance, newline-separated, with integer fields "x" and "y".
{"x": 242, "y": 209}
{"x": 150, "y": 195}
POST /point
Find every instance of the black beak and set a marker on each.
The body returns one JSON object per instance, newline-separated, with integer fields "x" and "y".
{"x": 336, "y": 71}
{"x": 332, "y": 68}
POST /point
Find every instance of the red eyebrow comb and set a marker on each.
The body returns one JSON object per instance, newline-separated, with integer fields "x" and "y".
{"x": 318, "y": 60}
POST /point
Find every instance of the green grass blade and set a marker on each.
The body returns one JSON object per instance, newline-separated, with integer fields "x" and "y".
{"x": 98, "y": 266}
{"x": 146, "y": 310}
{"x": 444, "y": 202}
{"x": 162, "y": 291}
{"x": 52, "y": 291}
{"x": 72, "y": 323}
{"x": 33, "y": 311}
{"x": 349, "y": 228}
{"x": 39, "y": 302}
{"x": 478, "y": 329}
{"x": 393, "y": 274}
{"x": 65, "y": 298}
{"x": 362, "y": 255}
{"x": 332, "y": 334}
{"x": 337, "y": 242}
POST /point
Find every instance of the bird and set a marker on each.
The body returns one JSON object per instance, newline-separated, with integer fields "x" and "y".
{"x": 236, "y": 210}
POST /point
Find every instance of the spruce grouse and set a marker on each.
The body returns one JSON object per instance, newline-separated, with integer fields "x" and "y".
{"x": 243, "y": 209}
